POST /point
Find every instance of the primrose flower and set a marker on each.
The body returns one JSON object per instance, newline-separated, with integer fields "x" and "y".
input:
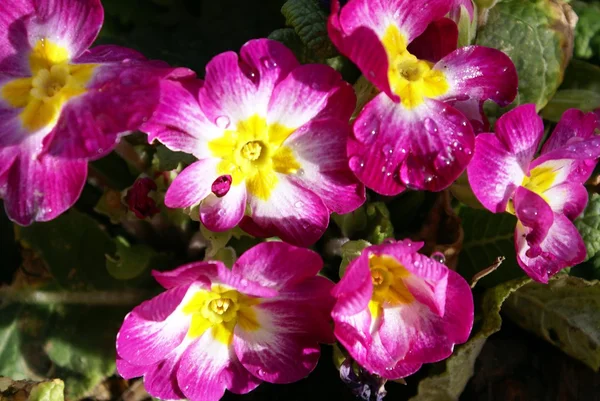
{"x": 138, "y": 199}
{"x": 58, "y": 102}
{"x": 397, "y": 309}
{"x": 216, "y": 328}
{"x": 270, "y": 136}
{"x": 545, "y": 193}
{"x": 416, "y": 131}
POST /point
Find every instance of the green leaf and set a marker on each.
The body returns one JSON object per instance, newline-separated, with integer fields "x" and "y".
{"x": 110, "y": 205}
{"x": 351, "y": 223}
{"x": 73, "y": 342}
{"x": 459, "y": 368}
{"x": 588, "y": 225}
{"x": 309, "y": 21}
{"x": 580, "y": 90}
{"x": 487, "y": 237}
{"x": 565, "y": 312}
{"x": 379, "y": 226}
{"x": 166, "y": 160}
{"x": 130, "y": 260}
{"x": 587, "y": 32}
{"x": 467, "y": 29}
{"x": 350, "y": 251}
{"x": 48, "y": 391}
{"x": 538, "y": 36}
{"x": 216, "y": 241}
{"x": 74, "y": 247}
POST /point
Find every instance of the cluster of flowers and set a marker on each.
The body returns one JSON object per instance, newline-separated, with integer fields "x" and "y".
{"x": 276, "y": 156}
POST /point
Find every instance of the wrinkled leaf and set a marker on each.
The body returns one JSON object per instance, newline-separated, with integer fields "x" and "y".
{"x": 538, "y": 36}
{"x": 309, "y": 21}
{"x": 588, "y": 225}
{"x": 565, "y": 312}
{"x": 487, "y": 237}
{"x": 587, "y": 32}
{"x": 459, "y": 368}
{"x": 11, "y": 390}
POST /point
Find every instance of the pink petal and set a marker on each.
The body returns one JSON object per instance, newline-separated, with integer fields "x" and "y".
{"x": 480, "y": 73}
{"x": 355, "y": 289}
{"x": 439, "y": 39}
{"x": 294, "y": 214}
{"x": 473, "y": 110}
{"x": 188, "y": 274}
{"x": 427, "y": 147}
{"x": 562, "y": 247}
{"x": 152, "y": 329}
{"x": 178, "y": 121}
{"x": 73, "y": 24}
{"x": 574, "y": 124}
{"x": 320, "y": 148}
{"x": 569, "y": 199}
{"x": 129, "y": 371}
{"x": 39, "y": 188}
{"x": 208, "y": 367}
{"x": 13, "y": 36}
{"x": 193, "y": 184}
{"x": 521, "y": 130}
{"x": 311, "y": 92}
{"x": 221, "y": 214}
{"x": 277, "y": 265}
{"x": 281, "y": 350}
{"x": 160, "y": 380}
{"x": 534, "y": 213}
{"x": 236, "y": 89}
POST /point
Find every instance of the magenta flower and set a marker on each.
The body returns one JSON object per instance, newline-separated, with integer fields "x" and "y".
{"x": 138, "y": 200}
{"x": 270, "y": 136}
{"x": 416, "y": 132}
{"x": 60, "y": 103}
{"x": 216, "y": 329}
{"x": 397, "y": 309}
{"x": 545, "y": 193}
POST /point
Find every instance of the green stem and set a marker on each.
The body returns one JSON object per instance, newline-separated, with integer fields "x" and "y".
{"x": 98, "y": 298}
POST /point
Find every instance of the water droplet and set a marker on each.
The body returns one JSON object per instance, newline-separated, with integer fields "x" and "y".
{"x": 316, "y": 86}
{"x": 387, "y": 150}
{"x": 430, "y": 125}
{"x": 300, "y": 172}
{"x": 298, "y": 204}
{"x": 260, "y": 372}
{"x": 372, "y": 73}
{"x": 243, "y": 282}
{"x": 356, "y": 163}
{"x": 529, "y": 212}
{"x": 383, "y": 169}
{"x": 223, "y": 122}
{"x": 221, "y": 212}
{"x": 438, "y": 257}
{"x": 505, "y": 69}
{"x": 268, "y": 63}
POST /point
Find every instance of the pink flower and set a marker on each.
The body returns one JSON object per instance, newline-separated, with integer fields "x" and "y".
{"x": 216, "y": 329}
{"x": 60, "y": 103}
{"x": 545, "y": 193}
{"x": 138, "y": 200}
{"x": 277, "y": 128}
{"x": 416, "y": 132}
{"x": 397, "y": 309}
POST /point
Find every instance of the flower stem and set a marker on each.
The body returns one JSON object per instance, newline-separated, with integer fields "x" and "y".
{"x": 99, "y": 298}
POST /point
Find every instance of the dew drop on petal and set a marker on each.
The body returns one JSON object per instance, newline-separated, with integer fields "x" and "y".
{"x": 430, "y": 125}
{"x": 223, "y": 122}
{"x": 356, "y": 163}
{"x": 268, "y": 63}
{"x": 298, "y": 204}
{"x": 438, "y": 257}
{"x": 387, "y": 150}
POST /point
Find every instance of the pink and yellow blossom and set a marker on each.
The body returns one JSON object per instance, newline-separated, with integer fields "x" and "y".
{"x": 397, "y": 309}
{"x": 270, "y": 137}
{"x": 419, "y": 131}
{"x": 58, "y": 100}
{"x": 545, "y": 193}
{"x": 215, "y": 328}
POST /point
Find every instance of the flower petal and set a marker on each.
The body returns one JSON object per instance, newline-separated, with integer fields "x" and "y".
{"x": 521, "y": 131}
{"x": 320, "y": 149}
{"x": 40, "y": 188}
{"x": 13, "y": 36}
{"x": 129, "y": 371}
{"x": 208, "y": 367}
{"x": 153, "y": 329}
{"x": 562, "y": 247}
{"x": 193, "y": 184}
{"x": 294, "y": 214}
{"x": 188, "y": 274}
{"x": 573, "y": 125}
{"x": 221, "y": 214}
{"x": 473, "y": 110}
{"x": 277, "y": 265}
{"x": 236, "y": 89}
{"x": 569, "y": 199}
{"x": 428, "y": 147}
{"x": 439, "y": 39}
{"x": 311, "y": 92}
{"x": 73, "y": 24}
{"x": 534, "y": 213}
{"x": 160, "y": 380}
{"x": 355, "y": 289}
{"x": 281, "y": 350}
{"x": 480, "y": 73}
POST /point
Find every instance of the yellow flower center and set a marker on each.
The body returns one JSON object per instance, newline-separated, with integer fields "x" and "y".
{"x": 52, "y": 83}
{"x": 219, "y": 310}
{"x": 253, "y": 153}
{"x": 539, "y": 181}
{"x": 410, "y": 78}
{"x": 389, "y": 288}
